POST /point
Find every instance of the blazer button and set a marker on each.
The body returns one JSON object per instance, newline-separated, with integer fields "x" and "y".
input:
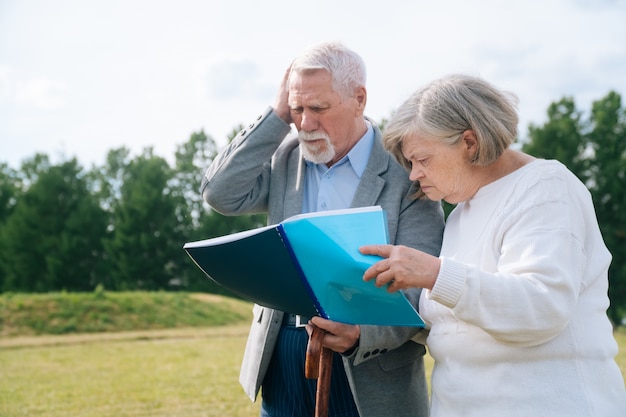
{"x": 383, "y": 351}
{"x": 260, "y": 117}
{"x": 367, "y": 355}
{"x": 375, "y": 352}
{"x": 243, "y": 132}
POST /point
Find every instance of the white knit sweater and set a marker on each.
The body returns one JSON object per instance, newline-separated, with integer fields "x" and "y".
{"x": 517, "y": 317}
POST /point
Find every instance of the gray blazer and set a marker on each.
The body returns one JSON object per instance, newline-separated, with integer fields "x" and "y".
{"x": 261, "y": 171}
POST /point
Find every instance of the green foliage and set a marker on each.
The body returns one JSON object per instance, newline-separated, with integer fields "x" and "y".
{"x": 53, "y": 238}
{"x": 122, "y": 225}
{"x": 102, "y": 311}
{"x": 594, "y": 149}
{"x": 9, "y": 191}
{"x": 146, "y": 236}
{"x": 561, "y": 137}
{"x": 192, "y": 159}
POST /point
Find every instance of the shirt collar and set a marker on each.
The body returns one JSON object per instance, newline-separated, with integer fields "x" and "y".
{"x": 358, "y": 155}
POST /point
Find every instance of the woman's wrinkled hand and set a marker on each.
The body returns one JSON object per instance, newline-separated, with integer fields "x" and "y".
{"x": 401, "y": 268}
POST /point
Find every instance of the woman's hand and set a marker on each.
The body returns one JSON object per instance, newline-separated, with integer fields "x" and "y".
{"x": 402, "y": 268}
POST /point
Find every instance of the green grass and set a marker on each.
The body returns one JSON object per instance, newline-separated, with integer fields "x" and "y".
{"x": 175, "y": 371}
{"x": 100, "y": 311}
{"x": 194, "y": 373}
{"x": 122, "y": 354}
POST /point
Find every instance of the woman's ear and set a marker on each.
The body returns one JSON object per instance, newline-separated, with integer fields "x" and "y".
{"x": 470, "y": 144}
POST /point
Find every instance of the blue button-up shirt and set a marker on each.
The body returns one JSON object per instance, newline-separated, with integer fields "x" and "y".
{"x": 333, "y": 188}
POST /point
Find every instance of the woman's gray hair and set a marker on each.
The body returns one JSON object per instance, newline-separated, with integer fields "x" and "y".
{"x": 444, "y": 109}
{"x": 345, "y": 66}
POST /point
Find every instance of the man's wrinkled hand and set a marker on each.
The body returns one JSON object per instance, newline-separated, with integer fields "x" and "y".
{"x": 339, "y": 337}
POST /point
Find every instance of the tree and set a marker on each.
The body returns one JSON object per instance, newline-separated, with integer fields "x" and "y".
{"x": 595, "y": 151}
{"x": 9, "y": 191}
{"x": 53, "y": 238}
{"x": 561, "y": 137}
{"x": 146, "y": 233}
{"x": 192, "y": 159}
{"x": 607, "y": 172}
{"x": 215, "y": 224}
{"x": 198, "y": 219}
{"x": 9, "y": 194}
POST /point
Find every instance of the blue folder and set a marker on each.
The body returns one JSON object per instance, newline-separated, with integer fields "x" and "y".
{"x": 310, "y": 265}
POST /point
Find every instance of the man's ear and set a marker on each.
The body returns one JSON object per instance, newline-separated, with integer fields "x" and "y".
{"x": 470, "y": 144}
{"x": 360, "y": 96}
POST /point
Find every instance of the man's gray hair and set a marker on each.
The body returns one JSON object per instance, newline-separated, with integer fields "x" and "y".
{"x": 345, "y": 66}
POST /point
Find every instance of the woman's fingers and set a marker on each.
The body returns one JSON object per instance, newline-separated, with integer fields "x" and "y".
{"x": 378, "y": 250}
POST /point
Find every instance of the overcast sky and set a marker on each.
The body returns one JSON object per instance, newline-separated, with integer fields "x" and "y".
{"x": 79, "y": 78}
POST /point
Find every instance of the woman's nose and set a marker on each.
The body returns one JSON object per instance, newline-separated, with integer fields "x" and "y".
{"x": 416, "y": 174}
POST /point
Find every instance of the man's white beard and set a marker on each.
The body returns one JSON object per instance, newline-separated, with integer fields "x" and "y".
{"x": 318, "y": 154}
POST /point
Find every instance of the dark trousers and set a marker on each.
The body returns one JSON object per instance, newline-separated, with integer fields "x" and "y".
{"x": 287, "y": 393}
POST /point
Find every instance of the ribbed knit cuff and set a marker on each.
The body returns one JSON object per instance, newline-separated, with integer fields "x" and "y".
{"x": 450, "y": 283}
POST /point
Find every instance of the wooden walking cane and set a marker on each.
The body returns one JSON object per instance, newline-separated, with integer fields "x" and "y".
{"x": 319, "y": 364}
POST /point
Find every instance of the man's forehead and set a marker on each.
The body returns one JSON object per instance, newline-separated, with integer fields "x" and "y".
{"x": 311, "y": 96}
{"x": 308, "y": 99}
{"x": 308, "y": 79}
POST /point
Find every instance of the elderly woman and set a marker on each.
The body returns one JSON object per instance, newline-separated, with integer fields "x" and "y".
{"x": 516, "y": 302}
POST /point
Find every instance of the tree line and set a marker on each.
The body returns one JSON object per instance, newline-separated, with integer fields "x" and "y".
{"x": 122, "y": 225}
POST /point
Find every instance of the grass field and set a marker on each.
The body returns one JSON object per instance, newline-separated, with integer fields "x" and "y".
{"x": 187, "y": 372}
{"x": 104, "y": 311}
{"x": 190, "y": 371}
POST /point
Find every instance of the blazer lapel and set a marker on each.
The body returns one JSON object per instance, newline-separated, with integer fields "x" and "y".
{"x": 294, "y": 194}
{"x": 372, "y": 182}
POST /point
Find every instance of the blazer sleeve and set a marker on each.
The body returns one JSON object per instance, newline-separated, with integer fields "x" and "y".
{"x": 420, "y": 226}
{"x": 237, "y": 181}
{"x": 414, "y": 223}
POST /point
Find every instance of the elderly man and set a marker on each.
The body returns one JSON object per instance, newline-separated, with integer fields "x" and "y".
{"x": 336, "y": 161}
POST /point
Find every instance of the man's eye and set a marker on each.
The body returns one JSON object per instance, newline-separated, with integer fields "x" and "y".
{"x": 296, "y": 111}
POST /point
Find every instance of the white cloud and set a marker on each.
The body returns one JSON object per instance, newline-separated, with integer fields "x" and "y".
{"x": 42, "y": 93}
{"x": 149, "y": 72}
{"x": 5, "y": 83}
{"x": 231, "y": 79}
{"x": 224, "y": 79}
